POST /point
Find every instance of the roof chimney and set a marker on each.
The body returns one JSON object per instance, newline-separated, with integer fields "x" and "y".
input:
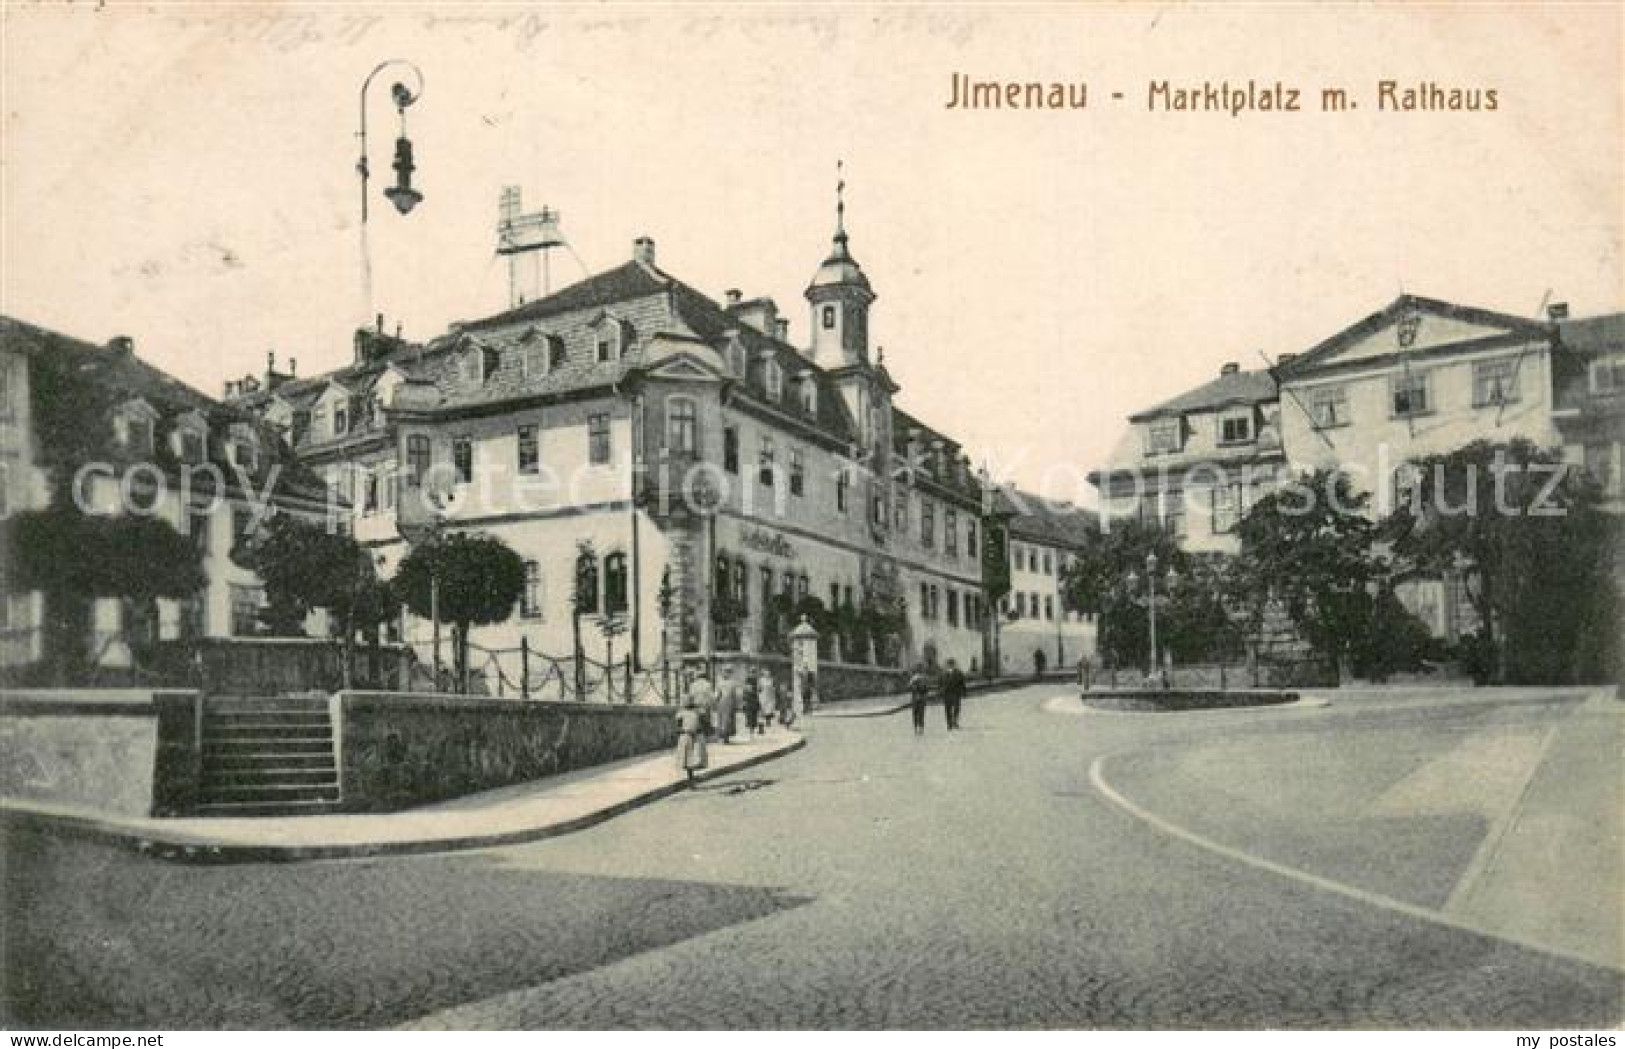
{"x": 781, "y": 329}
{"x": 733, "y": 296}
{"x": 643, "y": 250}
{"x": 1558, "y": 311}
{"x": 1230, "y": 368}
{"x": 293, "y": 367}
{"x": 1285, "y": 358}
{"x": 122, "y": 345}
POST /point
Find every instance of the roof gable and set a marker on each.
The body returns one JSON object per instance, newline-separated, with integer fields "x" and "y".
{"x": 1412, "y": 324}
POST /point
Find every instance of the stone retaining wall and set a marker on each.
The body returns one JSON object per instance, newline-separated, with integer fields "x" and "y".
{"x": 130, "y": 752}
{"x": 403, "y": 749}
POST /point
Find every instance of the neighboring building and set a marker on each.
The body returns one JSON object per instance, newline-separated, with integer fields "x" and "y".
{"x": 1195, "y": 464}
{"x": 1420, "y": 377}
{"x": 584, "y": 417}
{"x": 1044, "y": 537}
{"x": 160, "y": 445}
{"x": 1588, "y": 367}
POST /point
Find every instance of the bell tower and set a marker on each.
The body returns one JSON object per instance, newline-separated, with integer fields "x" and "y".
{"x": 840, "y": 297}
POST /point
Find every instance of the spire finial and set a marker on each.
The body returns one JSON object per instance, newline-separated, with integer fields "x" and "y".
{"x": 840, "y": 200}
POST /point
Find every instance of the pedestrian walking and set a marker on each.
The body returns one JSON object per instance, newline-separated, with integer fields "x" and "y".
{"x": 691, "y": 755}
{"x": 704, "y": 695}
{"x": 767, "y": 694}
{"x": 784, "y": 702}
{"x": 753, "y": 706}
{"x": 727, "y": 705}
{"x": 918, "y": 689}
{"x": 953, "y": 694}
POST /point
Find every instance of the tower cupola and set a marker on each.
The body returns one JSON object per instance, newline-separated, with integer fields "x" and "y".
{"x": 840, "y": 296}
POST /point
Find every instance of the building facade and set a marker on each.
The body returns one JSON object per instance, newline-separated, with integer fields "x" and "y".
{"x": 1036, "y": 629}
{"x": 142, "y": 443}
{"x": 1194, "y": 465}
{"x": 679, "y": 479}
{"x": 1419, "y": 377}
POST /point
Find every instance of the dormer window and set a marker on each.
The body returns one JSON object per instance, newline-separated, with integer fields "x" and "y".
{"x": 341, "y": 418}
{"x": 133, "y": 426}
{"x": 1607, "y": 374}
{"x": 612, "y": 338}
{"x": 1164, "y": 436}
{"x": 1236, "y": 427}
{"x": 190, "y": 439}
{"x": 490, "y": 361}
{"x": 773, "y": 380}
{"x": 738, "y": 360}
{"x": 244, "y": 447}
{"x": 809, "y": 394}
{"x": 555, "y": 352}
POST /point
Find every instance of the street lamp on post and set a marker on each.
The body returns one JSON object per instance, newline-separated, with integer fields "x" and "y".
{"x": 401, "y": 194}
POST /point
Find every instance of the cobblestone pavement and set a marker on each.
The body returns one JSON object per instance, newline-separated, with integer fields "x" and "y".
{"x": 872, "y": 880}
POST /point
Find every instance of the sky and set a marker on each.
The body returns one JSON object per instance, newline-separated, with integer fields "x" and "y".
{"x": 184, "y": 174}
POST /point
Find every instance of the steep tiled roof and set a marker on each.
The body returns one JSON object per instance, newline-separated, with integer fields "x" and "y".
{"x": 1053, "y": 523}
{"x": 629, "y": 281}
{"x": 130, "y": 377}
{"x": 1236, "y": 388}
{"x": 1593, "y": 334}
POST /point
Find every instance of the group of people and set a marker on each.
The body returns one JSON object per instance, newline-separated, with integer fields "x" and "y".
{"x": 950, "y": 684}
{"x": 712, "y": 713}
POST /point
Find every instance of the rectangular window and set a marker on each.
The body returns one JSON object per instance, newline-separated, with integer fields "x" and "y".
{"x": 529, "y": 450}
{"x": 530, "y": 599}
{"x": 730, "y": 449}
{"x": 1226, "y": 508}
{"x": 953, "y": 607}
{"x": 798, "y": 473}
{"x": 1329, "y": 407}
{"x": 682, "y": 427}
{"x": 1608, "y": 374}
{"x": 604, "y": 348}
{"x": 615, "y": 588}
{"x": 765, "y": 456}
{"x": 950, "y": 532}
{"x": 1495, "y": 382}
{"x": 598, "y": 438}
{"x": 341, "y": 420}
{"x": 1049, "y": 607}
{"x": 843, "y": 482}
{"x": 1410, "y": 395}
{"x": 970, "y": 539}
{"x": 1173, "y": 514}
{"x": 387, "y": 481}
{"x": 1164, "y": 436}
{"x": 369, "y": 492}
{"x": 1236, "y": 428}
{"x": 417, "y": 456}
{"x": 828, "y": 318}
{"x": 245, "y": 608}
{"x": 925, "y": 601}
{"x": 928, "y": 523}
{"x": 900, "y": 511}
{"x": 462, "y": 459}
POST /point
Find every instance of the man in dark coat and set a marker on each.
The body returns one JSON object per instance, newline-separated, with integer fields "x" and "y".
{"x": 919, "y": 687}
{"x": 953, "y": 693}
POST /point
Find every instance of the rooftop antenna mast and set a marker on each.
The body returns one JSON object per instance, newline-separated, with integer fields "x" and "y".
{"x": 534, "y": 235}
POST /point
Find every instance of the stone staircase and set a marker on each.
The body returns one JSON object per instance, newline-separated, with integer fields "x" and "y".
{"x": 267, "y": 756}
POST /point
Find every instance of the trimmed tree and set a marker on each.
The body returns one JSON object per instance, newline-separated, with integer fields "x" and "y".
{"x": 1097, "y": 582}
{"x": 305, "y": 567}
{"x": 479, "y": 578}
{"x": 1538, "y": 553}
{"x": 1307, "y": 547}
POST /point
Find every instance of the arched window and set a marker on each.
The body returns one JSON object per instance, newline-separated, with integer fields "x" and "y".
{"x": 615, "y": 593}
{"x": 586, "y": 589}
{"x": 682, "y": 426}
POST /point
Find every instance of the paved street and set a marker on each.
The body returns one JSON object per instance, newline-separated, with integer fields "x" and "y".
{"x": 878, "y": 880}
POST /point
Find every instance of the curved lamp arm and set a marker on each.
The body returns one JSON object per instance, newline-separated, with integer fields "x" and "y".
{"x": 402, "y": 97}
